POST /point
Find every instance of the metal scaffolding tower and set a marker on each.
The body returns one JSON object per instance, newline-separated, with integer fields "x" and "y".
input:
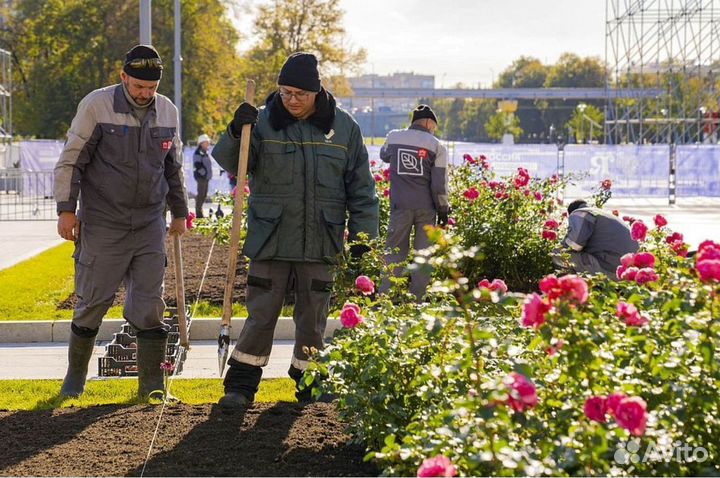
{"x": 673, "y": 45}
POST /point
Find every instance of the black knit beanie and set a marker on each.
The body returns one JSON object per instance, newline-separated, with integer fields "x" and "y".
{"x": 422, "y": 112}
{"x": 135, "y": 67}
{"x": 300, "y": 71}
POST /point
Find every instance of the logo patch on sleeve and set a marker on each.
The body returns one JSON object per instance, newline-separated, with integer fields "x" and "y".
{"x": 409, "y": 163}
{"x": 166, "y": 145}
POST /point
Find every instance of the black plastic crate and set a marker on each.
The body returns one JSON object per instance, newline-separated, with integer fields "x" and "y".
{"x": 120, "y": 358}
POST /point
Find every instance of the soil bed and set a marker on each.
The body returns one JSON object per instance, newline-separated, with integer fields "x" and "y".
{"x": 275, "y": 439}
{"x": 195, "y": 248}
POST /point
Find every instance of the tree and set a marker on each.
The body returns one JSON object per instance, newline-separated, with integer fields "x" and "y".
{"x": 65, "y": 49}
{"x": 288, "y": 26}
{"x": 502, "y": 123}
{"x": 586, "y": 123}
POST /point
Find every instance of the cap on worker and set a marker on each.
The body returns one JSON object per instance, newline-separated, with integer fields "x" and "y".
{"x": 300, "y": 71}
{"x": 144, "y": 63}
{"x": 422, "y": 112}
{"x": 202, "y": 138}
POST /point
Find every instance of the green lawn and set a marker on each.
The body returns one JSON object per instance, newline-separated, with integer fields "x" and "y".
{"x": 33, "y": 289}
{"x": 43, "y": 394}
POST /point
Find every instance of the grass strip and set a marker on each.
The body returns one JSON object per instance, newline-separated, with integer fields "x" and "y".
{"x": 43, "y": 394}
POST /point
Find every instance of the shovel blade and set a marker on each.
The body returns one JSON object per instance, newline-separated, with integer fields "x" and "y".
{"x": 223, "y": 348}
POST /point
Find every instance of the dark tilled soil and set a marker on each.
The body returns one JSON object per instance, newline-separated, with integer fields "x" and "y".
{"x": 195, "y": 250}
{"x": 278, "y": 439}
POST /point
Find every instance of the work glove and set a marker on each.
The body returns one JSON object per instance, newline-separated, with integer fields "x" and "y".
{"x": 244, "y": 114}
{"x": 442, "y": 218}
{"x": 357, "y": 250}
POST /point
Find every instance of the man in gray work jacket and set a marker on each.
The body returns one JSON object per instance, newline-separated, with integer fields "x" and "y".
{"x": 418, "y": 190}
{"x": 123, "y": 162}
{"x": 596, "y": 239}
{"x": 310, "y": 178}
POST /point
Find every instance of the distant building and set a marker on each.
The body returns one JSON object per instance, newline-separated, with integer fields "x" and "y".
{"x": 378, "y": 116}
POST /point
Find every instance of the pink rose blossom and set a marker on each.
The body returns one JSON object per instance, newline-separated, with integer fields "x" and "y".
{"x": 709, "y": 269}
{"x": 534, "y": 311}
{"x": 629, "y": 274}
{"x": 350, "y": 316}
{"x": 551, "y": 224}
{"x": 554, "y": 179}
{"x": 469, "y": 159}
{"x": 189, "y": 220}
{"x": 616, "y": 213}
{"x": 549, "y": 235}
{"x": 638, "y": 231}
{"x": 646, "y": 275}
{"x": 386, "y": 174}
{"x": 629, "y": 219}
{"x": 496, "y": 285}
{"x": 628, "y": 259}
{"x": 471, "y": 194}
{"x": 595, "y": 409}
{"x": 555, "y": 348}
{"x": 631, "y": 414}
{"x": 538, "y": 196}
{"x": 613, "y": 400}
{"x": 526, "y": 192}
{"x": 674, "y": 237}
{"x": 570, "y": 287}
{"x": 522, "y": 394}
{"x": 386, "y": 193}
{"x": 365, "y": 285}
{"x": 630, "y": 314}
{"x": 378, "y": 178}
{"x": 438, "y": 466}
{"x": 522, "y": 179}
{"x": 451, "y": 221}
{"x": 708, "y": 250}
{"x": 644, "y": 259}
{"x": 660, "y": 221}
{"x": 606, "y": 184}
{"x": 373, "y": 163}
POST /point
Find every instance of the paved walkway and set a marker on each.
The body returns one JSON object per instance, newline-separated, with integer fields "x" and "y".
{"x": 49, "y": 360}
{"x": 21, "y": 240}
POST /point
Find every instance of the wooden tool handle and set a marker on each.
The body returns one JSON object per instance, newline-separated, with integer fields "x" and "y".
{"x": 180, "y": 291}
{"x": 237, "y": 211}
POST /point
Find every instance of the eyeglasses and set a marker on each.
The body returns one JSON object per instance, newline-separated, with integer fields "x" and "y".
{"x": 140, "y": 63}
{"x": 300, "y": 96}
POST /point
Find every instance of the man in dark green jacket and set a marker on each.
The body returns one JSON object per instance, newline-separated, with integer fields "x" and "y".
{"x": 309, "y": 179}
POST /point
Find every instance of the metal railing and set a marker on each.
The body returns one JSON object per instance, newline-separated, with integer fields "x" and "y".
{"x": 26, "y": 195}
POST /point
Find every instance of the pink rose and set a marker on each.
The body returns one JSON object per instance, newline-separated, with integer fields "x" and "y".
{"x": 522, "y": 394}
{"x": 613, "y": 400}
{"x": 549, "y": 235}
{"x": 638, "y": 231}
{"x": 570, "y": 287}
{"x": 534, "y": 311}
{"x": 522, "y": 179}
{"x": 646, "y": 275}
{"x": 595, "y": 409}
{"x": 386, "y": 193}
{"x": 628, "y": 219}
{"x": 451, "y": 221}
{"x": 629, "y": 274}
{"x": 551, "y": 224}
{"x": 438, "y": 466}
{"x": 378, "y": 178}
{"x": 628, "y": 259}
{"x": 526, "y": 192}
{"x": 644, "y": 259}
{"x": 709, "y": 269}
{"x": 708, "y": 250}
{"x": 189, "y": 220}
{"x": 680, "y": 248}
{"x": 660, "y": 221}
{"x": 554, "y": 179}
{"x": 606, "y": 184}
{"x": 555, "y": 348}
{"x": 538, "y": 196}
{"x": 630, "y": 314}
{"x": 246, "y": 189}
{"x": 350, "y": 316}
{"x": 499, "y": 285}
{"x": 386, "y": 174}
{"x": 631, "y": 414}
{"x": 469, "y": 159}
{"x": 471, "y": 194}
{"x": 674, "y": 237}
{"x": 616, "y": 213}
{"x": 373, "y": 163}
{"x": 365, "y": 285}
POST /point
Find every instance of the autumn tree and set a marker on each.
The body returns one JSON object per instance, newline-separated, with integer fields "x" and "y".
{"x": 287, "y": 26}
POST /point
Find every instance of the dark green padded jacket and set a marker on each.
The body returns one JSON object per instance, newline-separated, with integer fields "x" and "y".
{"x": 309, "y": 179}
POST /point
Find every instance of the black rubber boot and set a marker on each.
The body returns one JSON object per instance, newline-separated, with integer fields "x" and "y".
{"x": 305, "y": 395}
{"x": 150, "y": 355}
{"x": 241, "y": 384}
{"x": 80, "y": 350}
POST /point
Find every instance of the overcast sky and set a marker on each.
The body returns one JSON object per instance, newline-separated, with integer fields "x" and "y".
{"x": 471, "y": 41}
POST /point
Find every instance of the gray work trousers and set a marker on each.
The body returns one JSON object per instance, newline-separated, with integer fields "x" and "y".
{"x": 267, "y": 285}
{"x": 104, "y": 257}
{"x": 202, "y": 191}
{"x": 402, "y": 222}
